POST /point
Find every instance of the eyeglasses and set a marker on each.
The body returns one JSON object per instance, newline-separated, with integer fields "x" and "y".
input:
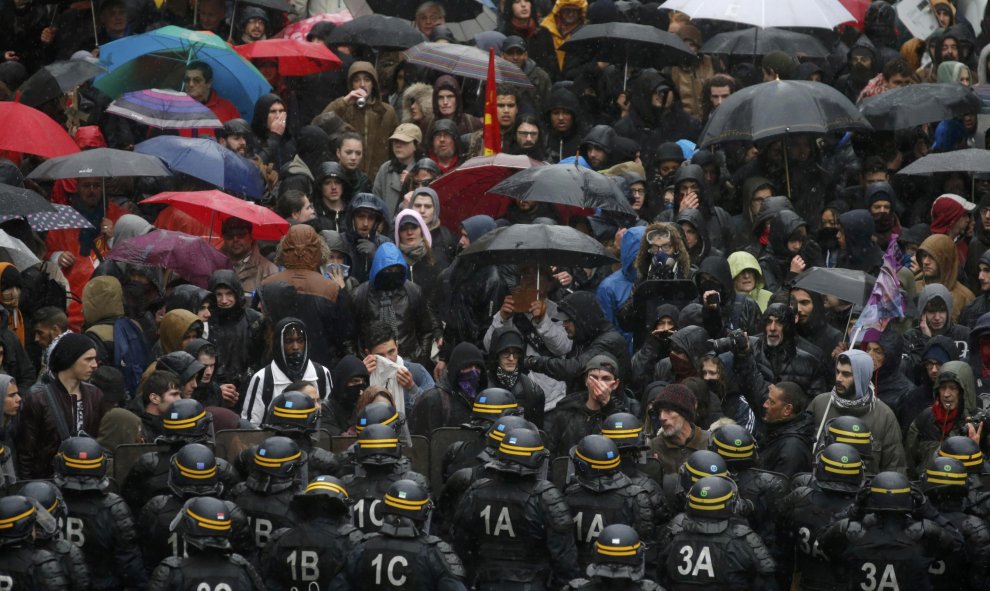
{"x": 528, "y": 133}
{"x": 422, "y": 183}
{"x": 511, "y": 354}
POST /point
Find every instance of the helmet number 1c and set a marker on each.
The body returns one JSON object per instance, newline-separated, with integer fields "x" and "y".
{"x": 392, "y": 570}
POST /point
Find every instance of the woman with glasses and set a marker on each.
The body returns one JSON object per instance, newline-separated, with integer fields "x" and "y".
{"x": 505, "y": 371}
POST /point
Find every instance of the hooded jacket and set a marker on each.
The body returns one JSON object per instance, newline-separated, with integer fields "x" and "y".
{"x": 943, "y": 250}
{"x": 776, "y": 261}
{"x": 888, "y": 449}
{"x": 925, "y": 434}
{"x": 422, "y": 95}
{"x": 447, "y": 405}
{"x": 557, "y": 145}
{"x": 376, "y": 121}
{"x": 174, "y": 326}
{"x": 915, "y": 341}
{"x": 320, "y": 304}
{"x": 238, "y": 333}
{"x": 464, "y": 122}
{"x": 740, "y": 261}
{"x": 891, "y": 383}
{"x": 981, "y": 371}
{"x": 544, "y": 47}
{"x": 528, "y": 393}
{"x": 272, "y": 148}
{"x": 743, "y": 222}
{"x": 602, "y": 137}
{"x": 338, "y": 413}
{"x": 816, "y": 329}
{"x": 922, "y": 396}
{"x": 447, "y": 126}
{"x": 861, "y": 252}
{"x": 648, "y": 124}
{"x": 615, "y": 289}
{"x": 593, "y": 335}
{"x": 736, "y": 311}
{"x": 790, "y": 361}
{"x": 704, "y": 248}
{"x": 981, "y": 304}
{"x": 360, "y": 263}
{"x": 692, "y": 340}
{"x": 103, "y": 302}
{"x": 404, "y": 307}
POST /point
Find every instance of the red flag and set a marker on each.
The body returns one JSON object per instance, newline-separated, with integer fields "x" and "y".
{"x": 493, "y": 133}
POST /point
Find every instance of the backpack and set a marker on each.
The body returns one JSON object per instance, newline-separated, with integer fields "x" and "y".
{"x": 130, "y": 353}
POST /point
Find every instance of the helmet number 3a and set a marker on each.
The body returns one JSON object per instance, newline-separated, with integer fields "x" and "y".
{"x": 887, "y": 580}
{"x": 692, "y": 566}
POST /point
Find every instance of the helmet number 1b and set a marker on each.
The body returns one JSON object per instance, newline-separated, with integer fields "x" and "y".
{"x": 308, "y": 563}
{"x": 887, "y": 581}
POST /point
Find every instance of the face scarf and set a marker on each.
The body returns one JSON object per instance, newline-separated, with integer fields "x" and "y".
{"x": 885, "y": 222}
{"x": 414, "y": 253}
{"x": 467, "y": 382}
{"x": 945, "y": 419}
{"x": 506, "y": 379}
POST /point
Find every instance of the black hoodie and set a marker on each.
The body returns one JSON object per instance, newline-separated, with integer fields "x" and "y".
{"x": 736, "y": 311}
{"x": 557, "y": 145}
{"x": 338, "y": 409}
{"x": 528, "y": 394}
{"x": 447, "y": 405}
{"x": 360, "y": 263}
{"x": 237, "y": 332}
{"x": 644, "y": 122}
{"x": 775, "y": 264}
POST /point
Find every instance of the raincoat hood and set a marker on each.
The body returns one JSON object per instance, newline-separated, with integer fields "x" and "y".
{"x": 366, "y": 201}
{"x": 740, "y": 261}
{"x": 446, "y": 126}
{"x": 187, "y": 297}
{"x": 892, "y": 345}
{"x": 227, "y": 278}
{"x": 563, "y": 99}
{"x": 586, "y": 313}
{"x": 293, "y": 368}
{"x": 943, "y": 250}
{"x": 858, "y": 227}
{"x": 933, "y": 291}
{"x": 696, "y": 219}
{"x": 961, "y": 373}
{"x": 641, "y": 96}
{"x": 367, "y": 68}
{"x": 949, "y": 72}
{"x": 175, "y": 324}
{"x": 505, "y": 337}
{"x": 862, "y": 366}
{"x": 629, "y": 251}
{"x": 550, "y": 21}
{"x": 421, "y": 94}
{"x": 347, "y": 368}
{"x": 717, "y": 267}
{"x": 769, "y": 210}
{"x": 406, "y": 214}
{"x": 447, "y": 82}
{"x": 259, "y": 123}
{"x": 102, "y": 299}
{"x": 750, "y": 186}
{"x": 301, "y": 248}
{"x": 782, "y": 226}
{"x": 477, "y": 226}
{"x": 693, "y": 340}
{"x": 129, "y": 226}
{"x": 463, "y": 355}
{"x": 387, "y": 255}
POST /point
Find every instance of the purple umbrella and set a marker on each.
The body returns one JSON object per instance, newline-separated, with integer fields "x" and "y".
{"x": 190, "y": 257}
{"x": 164, "y": 109}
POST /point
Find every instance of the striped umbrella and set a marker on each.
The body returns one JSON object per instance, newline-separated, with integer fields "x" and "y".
{"x": 164, "y": 109}
{"x": 466, "y": 61}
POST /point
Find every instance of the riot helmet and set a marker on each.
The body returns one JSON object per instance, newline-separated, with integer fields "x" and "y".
{"x": 889, "y": 492}
{"x": 379, "y": 413}
{"x": 849, "y": 430}
{"x": 712, "y": 497}
{"x": 278, "y": 457}
{"x": 964, "y": 449}
{"x": 187, "y": 421}
{"x": 502, "y": 425}
{"x": 405, "y": 498}
{"x": 204, "y": 522}
{"x": 839, "y": 467}
{"x": 626, "y": 430}
{"x": 17, "y": 517}
{"x": 292, "y": 412}
{"x": 946, "y": 476}
{"x": 492, "y": 403}
{"x": 378, "y": 445}
{"x": 81, "y": 464}
{"x": 192, "y": 471}
{"x": 700, "y": 464}
{"x": 521, "y": 452}
{"x": 48, "y": 496}
{"x": 325, "y": 494}
{"x": 618, "y": 554}
{"x": 734, "y": 443}
{"x": 594, "y": 456}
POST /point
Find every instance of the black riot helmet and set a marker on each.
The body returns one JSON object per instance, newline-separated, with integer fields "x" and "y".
{"x": 735, "y": 444}
{"x": 521, "y": 452}
{"x": 204, "y": 522}
{"x": 595, "y": 456}
{"x": 278, "y": 457}
{"x": 187, "y": 421}
{"x": 618, "y": 554}
{"x": 379, "y": 413}
{"x": 492, "y": 403}
{"x": 48, "y": 496}
{"x": 701, "y": 464}
{"x": 405, "y": 498}
{"x": 712, "y": 497}
{"x": 80, "y": 464}
{"x": 17, "y": 517}
{"x": 292, "y": 412}
{"x": 964, "y": 449}
{"x": 192, "y": 471}
{"x": 840, "y": 468}
{"x": 378, "y": 445}
{"x": 850, "y": 430}
{"x": 889, "y": 492}
{"x": 502, "y": 425}
{"x": 626, "y": 430}
{"x": 945, "y": 476}
{"x": 324, "y": 494}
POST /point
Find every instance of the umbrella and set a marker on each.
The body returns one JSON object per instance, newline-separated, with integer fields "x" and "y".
{"x": 295, "y": 58}
{"x": 27, "y": 130}
{"x": 16, "y": 252}
{"x": 190, "y": 257}
{"x": 157, "y": 59}
{"x": 463, "y": 191}
{"x": 213, "y": 207}
{"x": 56, "y": 79}
{"x": 375, "y": 30}
{"x": 565, "y": 184}
{"x": 299, "y": 29}
{"x": 206, "y": 160}
{"x": 629, "y": 43}
{"x": 857, "y": 8}
{"x": 65, "y": 217}
{"x": 464, "y": 18}
{"x": 815, "y": 14}
{"x": 537, "y": 244}
{"x": 848, "y": 285}
{"x": 164, "y": 109}
{"x": 755, "y": 41}
{"x": 466, "y": 61}
{"x": 971, "y": 160}
{"x": 99, "y": 162}
{"x": 21, "y": 202}
{"x": 916, "y": 104}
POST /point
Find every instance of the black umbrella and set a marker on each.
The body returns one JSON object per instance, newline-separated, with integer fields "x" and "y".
{"x": 464, "y": 18}
{"x": 22, "y": 202}
{"x": 848, "y": 285}
{"x": 537, "y": 244}
{"x": 917, "y": 104}
{"x": 56, "y": 79}
{"x": 100, "y": 162}
{"x": 629, "y": 44}
{"x": 970, "y": 161}
{"x": 565, "y": 184}
{"x": 375, "y": 30}
{"x": 755, "y": 41}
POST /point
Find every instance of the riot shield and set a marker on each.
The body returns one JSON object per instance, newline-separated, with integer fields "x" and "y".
{"x": 230, "y": 443}
{"x": 560, "y": 471}
{"x": 126, "y": 455}
{"x": 341, "y": 443}
{"x": 419, "y": 454}
{"x": 440, "y": 440}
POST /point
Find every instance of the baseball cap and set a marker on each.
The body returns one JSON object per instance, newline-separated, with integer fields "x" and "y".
{"x": 407, "y": 132}
{"x": 513, "y": 42}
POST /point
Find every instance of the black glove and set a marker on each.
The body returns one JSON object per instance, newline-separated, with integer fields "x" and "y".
{"x": 528, "y": 363}
{"x": 366, "y": 247}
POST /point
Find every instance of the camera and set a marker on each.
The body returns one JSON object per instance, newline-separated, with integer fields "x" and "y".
{"x": 980, "y": 416}
{"x": 713, "y": 299}
{"x": 361, "y": 102}
{"x": 734, "y": 342}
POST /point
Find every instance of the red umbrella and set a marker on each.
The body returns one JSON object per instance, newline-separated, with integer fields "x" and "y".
{"x": 27, "y": 130}
{"x": 857, "y": 8}
{"x": 299, "y": 29}
{"x": 213, "y": 207}
{"x": 295, "y": 57}
{"x": 463, "y": 191}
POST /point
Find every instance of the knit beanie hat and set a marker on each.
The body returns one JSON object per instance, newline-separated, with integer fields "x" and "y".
{"x": 68, "y": 350}
{"x": 678, "y": 398}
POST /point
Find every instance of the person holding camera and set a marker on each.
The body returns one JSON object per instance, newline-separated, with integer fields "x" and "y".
{"x": 363, "y": 109}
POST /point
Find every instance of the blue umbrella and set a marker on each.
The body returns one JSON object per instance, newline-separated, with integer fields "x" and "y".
{"x": 157, "y": 59}
{"x": 206, "y": 160}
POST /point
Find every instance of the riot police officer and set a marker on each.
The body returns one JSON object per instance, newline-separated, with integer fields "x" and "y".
{"x": 22, "y": 565}
{"x": 837, "y": 477}
{"x": 946, "y": 485}
{"x": 711, "y": 548}
{"x": 402, "y": 554}
{"x": 852, "y": 431}
{"x": 379, "y": 457}
{"x": 968, "y": 452}
{"x": 313, "y": 551}
{"x": 50, "y": 534}
{"x": 185, "y": 421}
{"x": 600, "y": 494}
{"x": 698, "y": 465}
{"x": 204, "y": 524}
{"x": 297, "y": 416}
{"x": 617, "y": 563}
{"x": 273, "y": 479}
{"x": 192, "y": 473}
{"x": 626, "y": 431}
{"x": 490, "y": 404}
{"x": 513, "y": 528}
{"x": 376, "y": 413}
{"x": 881, "y": 544}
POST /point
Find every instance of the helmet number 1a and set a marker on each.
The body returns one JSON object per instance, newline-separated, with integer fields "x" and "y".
{"x": 393, "y": 570}
{"x": 886, "y": 582}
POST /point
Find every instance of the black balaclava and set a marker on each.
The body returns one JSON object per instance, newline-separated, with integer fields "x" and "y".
{"x": 390, "y": 278}
{"x": 293, "y": 365}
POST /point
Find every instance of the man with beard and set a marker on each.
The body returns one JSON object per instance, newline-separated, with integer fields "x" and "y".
{"x": 881, "y": 200}
{"x": 597, "y": 146}
{"x": 811, "y": 325}
{"x": 672, "y": 413}
{"x": 564, "y": 126}
{"x": 853, "y": 395}
{"x": 249, "y": 264}
{"x": 444, "y": 144}
{"x": 527, "y": 140}
{"x": 236, "y": 135}
{"x": 786, "y": 445}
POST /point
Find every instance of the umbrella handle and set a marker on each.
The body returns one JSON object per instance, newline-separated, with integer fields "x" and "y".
{"x": 233, "y": 19}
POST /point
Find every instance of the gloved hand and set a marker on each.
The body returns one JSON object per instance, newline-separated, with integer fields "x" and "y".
{"x": 366, "y": 247}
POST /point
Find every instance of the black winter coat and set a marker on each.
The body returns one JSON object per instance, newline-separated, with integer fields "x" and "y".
{"x": 786, "y": 446}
